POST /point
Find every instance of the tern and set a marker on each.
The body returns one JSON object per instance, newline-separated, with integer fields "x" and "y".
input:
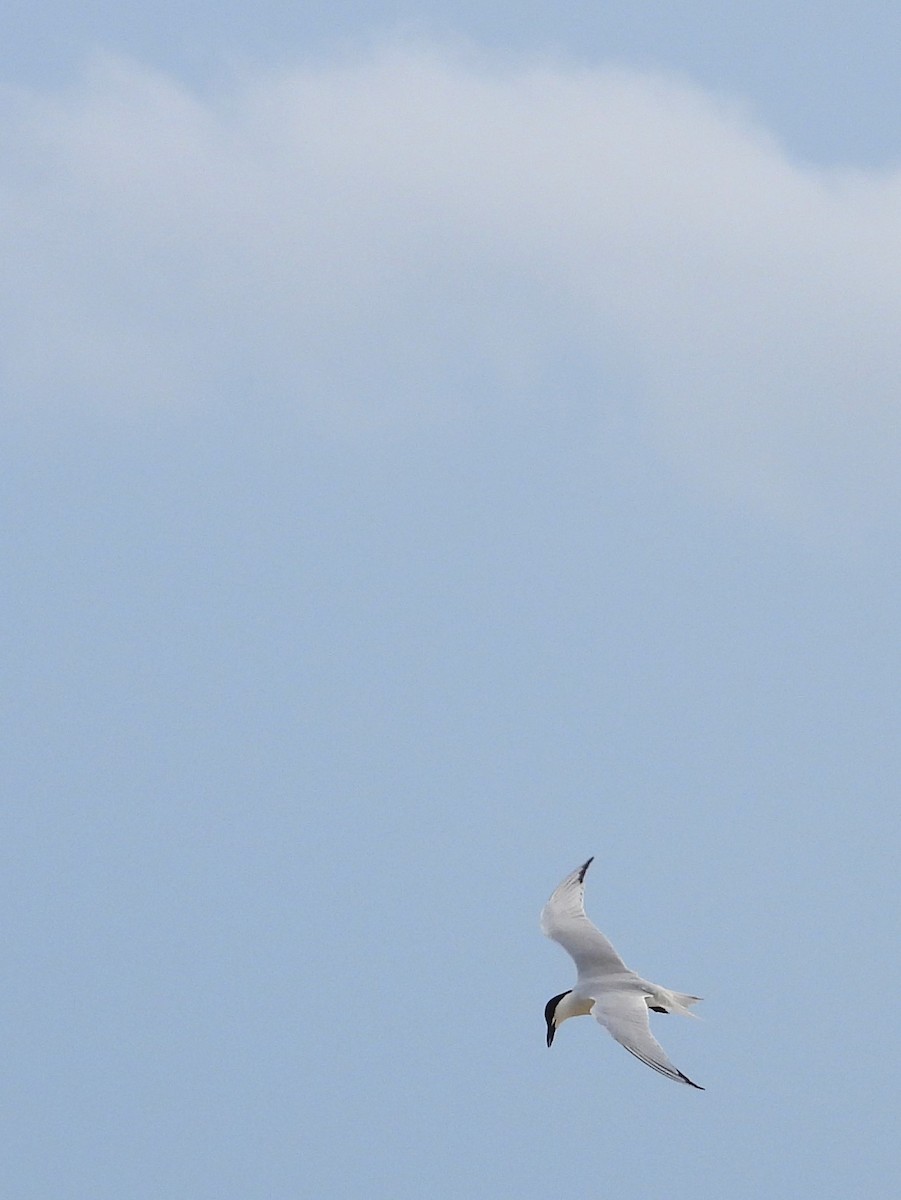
{"x": 605, "y": 987}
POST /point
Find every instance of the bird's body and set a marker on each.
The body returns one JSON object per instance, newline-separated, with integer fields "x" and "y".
{"x": 606, "y": 988}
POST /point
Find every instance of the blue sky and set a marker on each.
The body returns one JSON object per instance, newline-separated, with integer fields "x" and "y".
{"x": 441, "y": 444}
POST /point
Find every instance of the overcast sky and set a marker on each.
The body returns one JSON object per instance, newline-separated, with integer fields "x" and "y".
{"x": 439, "y": 446}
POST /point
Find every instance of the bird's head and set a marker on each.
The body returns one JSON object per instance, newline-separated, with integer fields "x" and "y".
{"x": 550, "y": 1015}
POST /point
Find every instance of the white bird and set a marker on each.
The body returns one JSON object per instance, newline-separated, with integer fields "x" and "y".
{"x": 615, "y": 996}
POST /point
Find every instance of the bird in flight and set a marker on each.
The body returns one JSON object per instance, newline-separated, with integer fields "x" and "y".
{"x": 605, "y": 987}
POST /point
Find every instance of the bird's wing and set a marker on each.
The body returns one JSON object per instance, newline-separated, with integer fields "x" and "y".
{"x": 563, "y": 919}
{"x": 625, "y": 1015}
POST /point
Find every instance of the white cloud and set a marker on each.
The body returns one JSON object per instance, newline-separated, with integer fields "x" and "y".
{"x": 380, "y": 235}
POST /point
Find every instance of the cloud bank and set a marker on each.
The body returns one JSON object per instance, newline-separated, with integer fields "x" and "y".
{"x": 382, "y": 238}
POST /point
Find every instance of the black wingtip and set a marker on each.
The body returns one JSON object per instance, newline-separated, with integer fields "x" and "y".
{"x": 691, "y": 1082}
{"x": 584, "y": 868}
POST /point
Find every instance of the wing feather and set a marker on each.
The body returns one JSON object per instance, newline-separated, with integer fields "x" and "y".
{"x": 624, "y": 1014}
{"x": 563, "y": 919}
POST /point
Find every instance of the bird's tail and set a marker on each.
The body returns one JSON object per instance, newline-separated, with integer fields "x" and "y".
{"x": 668, "y": 1001}
{"x": 684, "y": 1002}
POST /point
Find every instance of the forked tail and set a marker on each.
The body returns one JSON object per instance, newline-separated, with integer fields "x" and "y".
{"x": 664, "y": 1000}
{"x": 684, "y": 1002}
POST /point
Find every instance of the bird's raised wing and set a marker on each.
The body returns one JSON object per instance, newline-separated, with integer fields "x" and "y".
{"x": 563, "y": 919}
{"x": 624, "y": 1014}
